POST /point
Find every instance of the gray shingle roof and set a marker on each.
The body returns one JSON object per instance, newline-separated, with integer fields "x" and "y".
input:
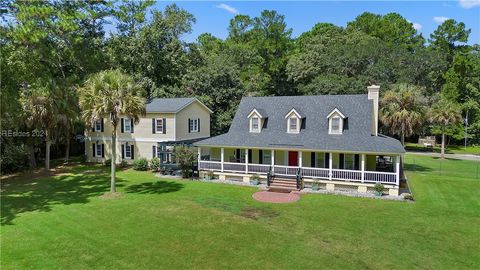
{"x": 168, "y": 105}
{"x": 314, "y": 135}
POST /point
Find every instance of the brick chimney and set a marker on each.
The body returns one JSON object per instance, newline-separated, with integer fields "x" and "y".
{"x": 373, "y": 94}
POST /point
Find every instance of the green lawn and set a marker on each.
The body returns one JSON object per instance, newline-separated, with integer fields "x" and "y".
{"x": 61, "y": 222}
{"x": 451, "y": 149}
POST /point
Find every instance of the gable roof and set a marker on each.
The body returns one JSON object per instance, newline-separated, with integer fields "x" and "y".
{"x": 296, "y": 112}
{"x": 336, "y": 111}
{"x": 259, "y": 112}
{"x": 314, "y": 135}
{"x": 170, "y": 105}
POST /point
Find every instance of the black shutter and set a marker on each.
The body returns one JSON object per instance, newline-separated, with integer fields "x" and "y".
{"x": 102, "y": 125}
{"x": 154, "y": 151}
{"x": 103, "y": 150}
{"x": 357, "y": 162}
{"x": 93, "y": 150}
{"x": 341, "y": 160}
{"x": 123, "y": 151}
{"x": 153, "y": 125}
{"x": 164, "y": 123}
{"x": 260, "y": 156}
{"x": 198, "y": 123}
{"x": 132, "y": 155}
{"x": 327, "y": 160}
{"x": 237, "y": 155}
{"x": 250, "y": 155}
{"x": 131, "y": 125}
{"x": 122, "y": 126}
{"x": 189, "y": 125}
{"x": 312, "y": 159}
{"x": 93, "y": 126}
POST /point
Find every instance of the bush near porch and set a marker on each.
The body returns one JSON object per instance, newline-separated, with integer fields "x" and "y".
{"x": 61, "y": 222}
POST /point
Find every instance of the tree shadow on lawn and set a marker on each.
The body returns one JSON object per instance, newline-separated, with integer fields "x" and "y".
{"x": 157, "y": 187}
{"x": 40, "y": 194}
{"x": 413, "y": 167}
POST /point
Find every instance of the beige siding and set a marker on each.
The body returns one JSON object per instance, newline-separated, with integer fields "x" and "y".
{"x": 194, "y": 110}
{"x": 141, "y": 150}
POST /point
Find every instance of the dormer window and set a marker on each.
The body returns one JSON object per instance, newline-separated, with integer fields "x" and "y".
{"x": 335, "y": 122}
{"x": 256, "y": 120}
{"x": 293, "y": 121}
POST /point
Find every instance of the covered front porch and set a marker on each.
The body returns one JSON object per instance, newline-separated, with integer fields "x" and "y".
{"x": 338, "y": 166}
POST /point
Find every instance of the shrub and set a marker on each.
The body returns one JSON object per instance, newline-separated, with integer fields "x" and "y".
{"x": 14, "y": 158}
{"x": 83, "y": 158}
{"x": 185, "y": 157}
{"x": 107, "y": 162}
{"x": 408, "y": 197}
{"x": 140, "y": 164}
{"x": 155, "y": 164}
{"x": 123, "y": 163}
{"x": 209, "y": 175}
{"x": 255, "y": 179}
{"x": 378, "y": 188}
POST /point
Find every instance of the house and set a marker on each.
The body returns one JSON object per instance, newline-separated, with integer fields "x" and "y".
{"x": 293, "y": 141}
{"x": 168, "y": 122}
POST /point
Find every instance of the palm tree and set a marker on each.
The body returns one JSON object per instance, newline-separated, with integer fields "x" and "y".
{"x": 402, "y": 110}
{"x": 444, "y": 115}
{"x": 111, "y": 94}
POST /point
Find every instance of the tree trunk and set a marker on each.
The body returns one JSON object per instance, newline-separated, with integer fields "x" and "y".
{"x": 67, "y": 151}
{"x": 114, "y": 155}
{"x": 443, "y": 146}
{"x": 403, "y": 139}
{"x": 31, "y": 150}
{"x": 47, "y": 151}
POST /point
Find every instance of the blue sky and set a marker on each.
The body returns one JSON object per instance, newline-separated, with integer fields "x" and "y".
{"x": 213, "y": 17}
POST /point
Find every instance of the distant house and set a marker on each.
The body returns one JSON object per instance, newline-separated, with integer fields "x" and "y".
{"x": 292, "y": 141}
{"x": 168, "y": 122}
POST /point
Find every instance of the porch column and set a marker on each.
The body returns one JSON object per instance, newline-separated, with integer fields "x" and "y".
{"x": 272, "y": 154}
{"x": 246, "y": 160}
{"x": 397, "y": 170}
{"x": 199, "y": 156}
{"x": 222, "y": 158}
{"x": 330, "y": 165}
{"x": 300, "y": 159}
{"x": 363, "y": 168}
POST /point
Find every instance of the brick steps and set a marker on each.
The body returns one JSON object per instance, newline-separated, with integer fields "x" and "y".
{"x": 283, "y": 185}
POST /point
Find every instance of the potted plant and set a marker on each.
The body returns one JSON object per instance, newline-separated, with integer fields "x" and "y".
{"x": 315, "y": 185}
{"x": 255, "y": 180}
{"x": 209, "y": 175}
{"x": 378, "y": 189}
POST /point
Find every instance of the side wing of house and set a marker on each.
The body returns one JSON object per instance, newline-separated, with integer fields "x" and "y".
{"x": 193, "y": 122}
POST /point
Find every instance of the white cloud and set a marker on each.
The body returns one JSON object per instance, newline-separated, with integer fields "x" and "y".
{"x": 228, "y": 8}
{"x": 440, "y": 19}
{"x": 417, "y": 26}
{"x": 469, "y": 3}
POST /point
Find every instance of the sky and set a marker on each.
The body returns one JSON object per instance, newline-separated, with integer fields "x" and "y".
{"x": 213, "y": 17}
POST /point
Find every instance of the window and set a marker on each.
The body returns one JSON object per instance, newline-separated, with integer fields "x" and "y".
{"x": 159, "y": 125}
{"x": 293, "y": 124}
{"x": 128, "y": 151}
{"x": 336, "y": 125}
{"x": 349, "y": 163}
{"x": 255, "y": 121}
{"x": 127, "y": 125}
{"x": 98, "y": 125}
{"x": 99, "y": 150}
{"x": 267, "y": 157}
{"x": 193, "y": 125}
{"x": 320, "y": 160}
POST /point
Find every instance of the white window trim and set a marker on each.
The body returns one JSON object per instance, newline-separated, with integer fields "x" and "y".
{"x": 98, "y": 150}
{"x": 125, "y": 147}
{"x": 193, "y": 125}
{"x": 257, "y": 130}
{"x": 340, "y": 125}
{"x": 98, "y": 125}
{"x": 157, "y": 126}
{"x": 125, "y": 125}
{"x": 297, "y": 130}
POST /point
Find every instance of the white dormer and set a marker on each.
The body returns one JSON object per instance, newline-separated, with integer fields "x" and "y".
{"x": 293, "y": 121}
{"x": 335, "y": 122}
{"x": 256, "y": 121}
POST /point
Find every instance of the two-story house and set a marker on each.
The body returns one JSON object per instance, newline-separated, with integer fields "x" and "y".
{"x": 292, "y": 141}
{"x": 168, "y": 122}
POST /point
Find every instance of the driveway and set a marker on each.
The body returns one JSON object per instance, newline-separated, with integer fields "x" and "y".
{"x": 454, "y": 156}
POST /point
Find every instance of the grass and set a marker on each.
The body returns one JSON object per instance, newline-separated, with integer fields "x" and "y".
{"x": 61, "y": 222}
{"x": 450, "y": 149}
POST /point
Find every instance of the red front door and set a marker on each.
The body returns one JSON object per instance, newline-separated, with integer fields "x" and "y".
{"x": 292, "y": 158}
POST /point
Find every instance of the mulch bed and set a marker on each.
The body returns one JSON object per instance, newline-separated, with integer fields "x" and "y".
{"x": 276, "y": 197}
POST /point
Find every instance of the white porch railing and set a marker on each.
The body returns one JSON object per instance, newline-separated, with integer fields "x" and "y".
{"x": 337, "y": 174}
{"x": 315, "y": 172}
{"x": 380, "y": 177}
{"x": 349, "y": 175}
{"x": 258, "y": 168}
{"x": 210, "y": 165}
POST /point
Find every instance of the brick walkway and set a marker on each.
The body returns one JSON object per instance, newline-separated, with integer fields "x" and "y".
{"x": 276, "y": 197}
